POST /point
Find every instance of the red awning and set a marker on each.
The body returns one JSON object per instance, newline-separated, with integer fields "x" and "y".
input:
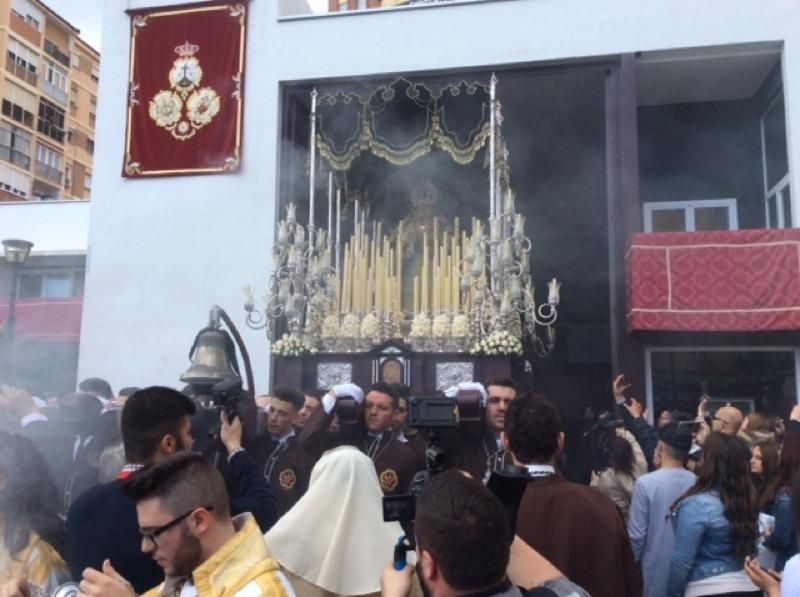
{"x": 52, "y": 320}
{"x": 743, "y": 280}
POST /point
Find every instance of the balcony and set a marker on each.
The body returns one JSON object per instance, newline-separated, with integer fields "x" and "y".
{"x": 24, "y": 29}
{"x": 12, "y": 156}
{"x": 51, "y": 130}
{"x": 54, "y": 51}
{"x": 54, "y": 92}
{"x": 48, "y": 172}
{"x": 731, "y": 281}
{"x": 20, "y": 71}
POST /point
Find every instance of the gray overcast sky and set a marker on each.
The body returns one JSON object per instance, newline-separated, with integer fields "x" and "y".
{"x": 86, "y": 15}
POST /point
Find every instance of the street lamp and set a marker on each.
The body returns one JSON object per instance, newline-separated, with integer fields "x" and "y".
{"x": 16, "y": 252}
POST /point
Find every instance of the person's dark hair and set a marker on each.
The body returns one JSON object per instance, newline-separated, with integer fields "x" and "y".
{"x": 620, "y": 456}
{"x": 386, "y": 388}
{"x": 128, "y": 391}
{"x": 148, "y": 416}
{"x": 725, "y": 468}
{"x": 182, "y": 482}
{"x": 505, "y": 382}
{"x": 29, "y": 502}
{"x": 289, "y": 394}
{"x": 465, "y": 529}
{"x": 790, "y": 459}
{"x": 532, "y": 428}
{"x": 402, "y": 390}
{"x": 98, "y": 386}
{"x": 318, "y": 394}
{"x": 768, "y": 483}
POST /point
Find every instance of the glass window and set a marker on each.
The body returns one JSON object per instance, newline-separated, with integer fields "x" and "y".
{"x": 786, "y": 196}
{"x": 57, "y": 286}
{"x": 711, "y": 218}
{"x": 772, "y": 211}
{"x": 55, "y": 75}
{"x": 30, "y": 285}
{"x": 669, "y": 220}
{"x": 21, "y": 55}
{"x": 51, "y": 120}
{"x": 690, "y": 216}
{"x": 773, "y": 131}
{"x": 87, "y": 182}
{"x": 749, "y": 379}
{"x": 49, "y": 157}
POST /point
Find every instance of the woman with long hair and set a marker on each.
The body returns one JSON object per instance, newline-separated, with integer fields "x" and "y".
{"x": 32, "y": 532}
{"x": 783, "y": 540}
{"x": 626, "y": 463}
{"x": 765, "y": 468}
{"x": 716, "y": 525}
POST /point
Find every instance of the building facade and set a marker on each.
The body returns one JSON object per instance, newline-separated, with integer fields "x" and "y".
{"x": 49, "y": 99}
{"x": 622, "y": 118}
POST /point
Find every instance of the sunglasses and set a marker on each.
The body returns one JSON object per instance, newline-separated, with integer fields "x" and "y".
{"x": 151, "y": 536}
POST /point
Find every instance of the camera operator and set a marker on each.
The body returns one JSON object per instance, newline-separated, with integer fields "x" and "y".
{"x": 156, "y": 423}
{"x": 464, "y": 547}
{"x": 476, "y": 448}
{"x": 371, "y": 432}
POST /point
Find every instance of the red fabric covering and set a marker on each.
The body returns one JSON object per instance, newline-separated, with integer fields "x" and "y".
{"x": 52, "y": 320}
{"x": 186, "y": 89}
{"x": 744, "y": 280}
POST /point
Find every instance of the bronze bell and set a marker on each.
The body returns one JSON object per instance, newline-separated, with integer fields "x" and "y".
{"x": 210, "y": 362}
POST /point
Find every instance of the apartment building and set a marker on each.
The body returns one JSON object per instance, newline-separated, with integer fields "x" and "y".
{"x": 49, "y": 103}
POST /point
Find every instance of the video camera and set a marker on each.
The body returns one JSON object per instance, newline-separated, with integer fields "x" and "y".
{"x": 601, "y": 430}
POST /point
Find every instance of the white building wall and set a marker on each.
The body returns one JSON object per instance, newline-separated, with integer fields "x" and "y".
{"x": 164, "y": 250}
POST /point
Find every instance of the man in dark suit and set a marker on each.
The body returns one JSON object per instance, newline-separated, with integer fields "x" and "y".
{"x": 102, "y": 524}
{"x": 395, "y": 462}
{"x": 578, "y": 529}
{"x": 278, "y": 453}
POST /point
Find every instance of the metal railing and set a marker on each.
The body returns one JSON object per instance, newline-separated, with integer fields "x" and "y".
{"x": 20, "y": 71}
{"x": 49, "y": 172}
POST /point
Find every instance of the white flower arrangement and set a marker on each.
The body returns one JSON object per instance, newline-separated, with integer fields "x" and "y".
{"x": 441, "y": 326}
{"x": 330, "y": 327}
{"x": 460, "y": 326}
{"x": 498, "y": 343}
{"x": 291, "y": 346}
{"x": 350, "y": 326}
{"x": 370, "y": 326}
{"x": 421, "y": 326}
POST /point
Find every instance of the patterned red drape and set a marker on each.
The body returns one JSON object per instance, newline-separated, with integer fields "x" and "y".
{"x": 186, "y": 82}
{"x": 745, "y": 280}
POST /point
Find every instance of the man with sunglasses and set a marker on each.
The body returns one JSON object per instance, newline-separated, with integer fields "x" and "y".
{"x": 186, "y": 527}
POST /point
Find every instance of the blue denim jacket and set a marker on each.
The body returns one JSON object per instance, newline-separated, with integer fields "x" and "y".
{"x": 782, "y": 540}
{"x": 703, "y": 542}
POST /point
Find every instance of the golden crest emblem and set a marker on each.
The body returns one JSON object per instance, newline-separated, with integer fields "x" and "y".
{"x": 185, "y": 107}
{"x": 389, "y": 480}
{"x": 287, "y": 479}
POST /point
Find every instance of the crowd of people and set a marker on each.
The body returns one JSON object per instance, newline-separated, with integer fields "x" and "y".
{"x": 150, "y": 491}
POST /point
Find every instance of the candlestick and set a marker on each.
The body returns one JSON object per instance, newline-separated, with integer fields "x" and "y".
{"x": 338, "y": 226}
{"x": 313, "y": 163}
{"x": 553, "y": 295}
{"x": 494, "y": 228}
{"x": 330, "y": 208}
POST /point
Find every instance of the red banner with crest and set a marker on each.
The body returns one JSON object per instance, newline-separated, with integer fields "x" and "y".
{"x": 185, "y": 100}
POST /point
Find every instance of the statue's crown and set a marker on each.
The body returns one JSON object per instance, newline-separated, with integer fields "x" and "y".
{"x": 186, "y": 50}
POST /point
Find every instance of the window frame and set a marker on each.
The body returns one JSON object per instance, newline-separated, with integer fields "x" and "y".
{"x": 689, "y": 206}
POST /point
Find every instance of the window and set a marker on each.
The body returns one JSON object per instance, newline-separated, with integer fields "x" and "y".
{"x": 90, "y": 146}
{"x": 18, "y": 103}
{"x": 775, "y": 159}
{"x": 48, "y": 163}
{"x": 690, "y": 216}
{"x": 54, "y": 51}
{"x": 14, "y": 182}
{"x": 95, "y": 74}
{"x": 51, "y": 120}
{"x": 762, "y": 379}
{"x": 71, "y": 136}
{"x": 68, "y": 177}
{"x": 51, "y": 284}
{"x": 33, "y": 22}
{"x": 15, "y": 145}
{"x": 87, "y": 181}
{"x": 55, "y": 75}
{"x": 22, "y": 61}
{"x": 76, "y": 60}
